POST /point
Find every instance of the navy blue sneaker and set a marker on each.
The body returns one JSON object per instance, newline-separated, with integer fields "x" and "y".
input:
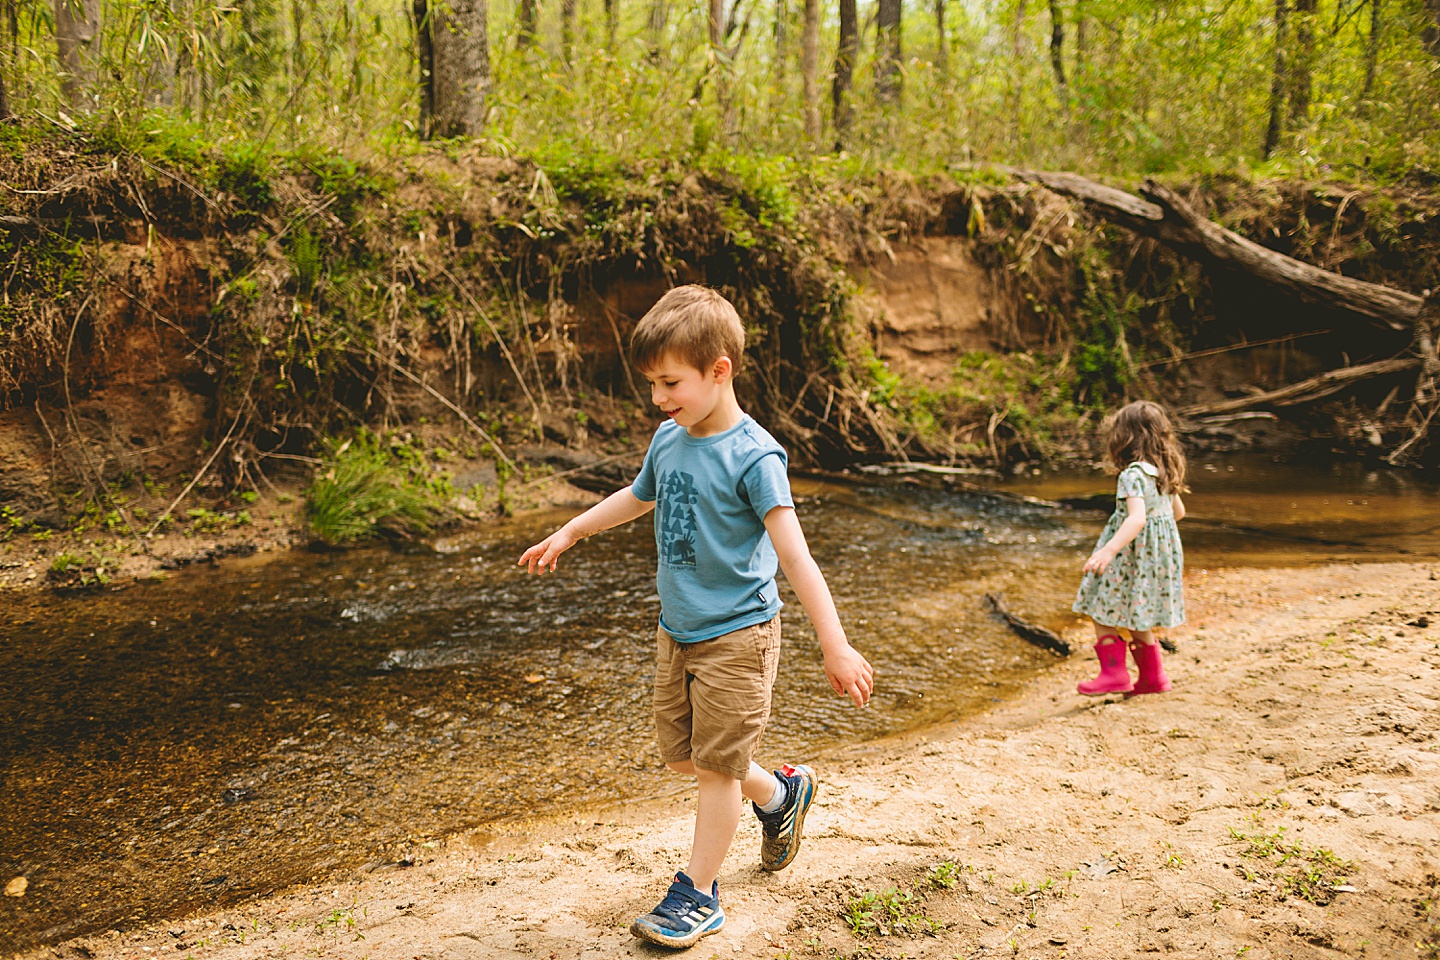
{"x": 782, "y": 828}
{"x": 683, "y": 917}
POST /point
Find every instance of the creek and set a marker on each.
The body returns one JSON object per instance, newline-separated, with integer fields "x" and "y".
{"x": 188, "y": 744}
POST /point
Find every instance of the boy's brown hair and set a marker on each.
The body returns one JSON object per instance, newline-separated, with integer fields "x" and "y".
{"x": 694, "y": 324}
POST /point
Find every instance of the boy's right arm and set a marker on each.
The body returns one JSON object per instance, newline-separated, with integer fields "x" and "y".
{"x": 622, "y": 506}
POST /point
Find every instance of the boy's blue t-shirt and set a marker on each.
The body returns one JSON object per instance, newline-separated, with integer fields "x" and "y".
{"x": 716, "y": 565}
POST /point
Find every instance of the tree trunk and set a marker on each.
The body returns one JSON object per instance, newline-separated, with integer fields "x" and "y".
{"x": 77, "y": 45}
{"x": 1017, "y": 56}
{"x": 568, "y": 10}
{"x": 1057, "y": 50}
{"x": 1275, "y": 129}
{"x": 658, "y": 16}
{"x": 612, "y": 25}
{"x": 526, "y": 19}
{"x": 887, "y": 54}
{"x": 462, "y": 67}
{"x": 1302, "y": 64}
{"x": 942, "y": 45}
{"x": 1372, "y": 55}
{"x": 1431, "y": 33}
{"x": 1081, "y": 22}
{"x": 846, "y": 52}
{"x": 425, "y": 54}
{"x": 810, "y": 70}
{"x": 5, "y": 113}
{"x": 777, "y": 65}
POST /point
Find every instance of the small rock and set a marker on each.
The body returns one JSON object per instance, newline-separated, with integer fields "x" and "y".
{"x": 17, "y": 887}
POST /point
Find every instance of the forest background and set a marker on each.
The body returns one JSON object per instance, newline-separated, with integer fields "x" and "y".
{"x": 337, "y": 222}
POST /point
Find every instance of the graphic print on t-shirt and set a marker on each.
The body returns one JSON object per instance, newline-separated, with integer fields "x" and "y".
{"x": 677, "y": 520}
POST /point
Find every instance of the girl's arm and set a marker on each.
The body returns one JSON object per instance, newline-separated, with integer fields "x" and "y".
{"x": 1178, "y": 506}
{"x": 848, "y": 672}
{"x": 622, "y": 506}
{"x": 1129, "y": 529}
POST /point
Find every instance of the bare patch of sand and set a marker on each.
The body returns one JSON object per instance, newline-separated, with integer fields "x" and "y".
{"x": 1282, "y": 801}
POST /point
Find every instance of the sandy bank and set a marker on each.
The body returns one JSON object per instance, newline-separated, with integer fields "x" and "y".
{"x": 1283, "y": 801}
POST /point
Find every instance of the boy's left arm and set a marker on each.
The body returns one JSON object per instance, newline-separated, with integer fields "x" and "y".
{"x": 848, "y": 672}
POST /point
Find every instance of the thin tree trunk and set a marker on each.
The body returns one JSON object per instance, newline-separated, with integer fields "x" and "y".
{"x": 1276, "y": 127}
{"x": 1372, "y": 55}
{"x": 782, "y": 16}
{"x": 1017, "y": 51}
{"x": 810, "y": 69}
{"x": 612, "y": 24}
{"x": 425, "y": 54}
{"x": 942, "y": 43}
{"x": 658, "y": 16}
{"x": 568, "y": 10}
{"x": 526, "y": 19}
{"x": 846, "y": 52}
{"x": 1431, "y": 33}
{"x": 462, "y": 67}
{"x": 77, "y": 46}
{"x": 297, "y": 43}
{"x": 5, "y": 113}
{"x": 1057, "y": 49}
{"x": 887, "y": 61}
{"x": 1302, "y": 64}
{"x": 1081, "y": 22}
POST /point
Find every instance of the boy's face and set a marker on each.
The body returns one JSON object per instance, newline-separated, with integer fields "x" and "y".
{"x": 689, "y": 396}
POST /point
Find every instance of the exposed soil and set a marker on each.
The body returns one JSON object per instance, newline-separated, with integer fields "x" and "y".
{"x": 1280, "y": 802}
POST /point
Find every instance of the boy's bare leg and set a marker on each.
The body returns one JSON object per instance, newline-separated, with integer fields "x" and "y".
{"x": 717, "y": 815}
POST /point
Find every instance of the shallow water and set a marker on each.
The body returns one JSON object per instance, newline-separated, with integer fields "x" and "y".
{"x": 191, "y": 743}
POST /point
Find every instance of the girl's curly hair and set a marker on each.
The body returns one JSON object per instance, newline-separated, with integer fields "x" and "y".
{"x": 1142, "y": 431}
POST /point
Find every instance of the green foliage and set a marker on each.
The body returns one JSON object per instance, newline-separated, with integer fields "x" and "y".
{"x": 363, "y": 492}
{"x": 1310, "y": 873}
{"x": 203, "y": 520}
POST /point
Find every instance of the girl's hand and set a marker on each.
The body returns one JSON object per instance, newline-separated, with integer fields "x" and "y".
{"x": 1099, "y": 560}
{"x": 544, "y": 554}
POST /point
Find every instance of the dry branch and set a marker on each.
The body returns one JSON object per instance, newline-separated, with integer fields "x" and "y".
{"x": 1033, "y": 632}
{"x": 1305, "y": 390}
{"x": 1166, "y": 216}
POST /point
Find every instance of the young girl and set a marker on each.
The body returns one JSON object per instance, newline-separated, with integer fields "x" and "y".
{"x": 1132, "y": 580}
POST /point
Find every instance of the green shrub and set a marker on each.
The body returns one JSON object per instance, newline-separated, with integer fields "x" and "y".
{"x": 363, "y": 493}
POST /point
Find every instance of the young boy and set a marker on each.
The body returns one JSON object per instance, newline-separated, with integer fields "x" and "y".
{"x": 724, "y": 517}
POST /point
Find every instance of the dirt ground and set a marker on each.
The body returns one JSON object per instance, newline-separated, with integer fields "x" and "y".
{"x": 1282, "y": 801}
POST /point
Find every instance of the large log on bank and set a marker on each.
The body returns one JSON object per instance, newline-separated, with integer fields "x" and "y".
{"x": 1166, "y": 216}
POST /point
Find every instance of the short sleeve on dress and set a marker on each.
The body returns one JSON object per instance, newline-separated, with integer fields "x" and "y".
{"x": 1131, "y": 482}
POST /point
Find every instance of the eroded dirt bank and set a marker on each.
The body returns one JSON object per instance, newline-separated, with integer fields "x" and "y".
{"x": 1281, "y": 802}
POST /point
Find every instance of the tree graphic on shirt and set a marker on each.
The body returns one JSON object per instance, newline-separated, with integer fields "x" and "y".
{"x": 678, "y": 529}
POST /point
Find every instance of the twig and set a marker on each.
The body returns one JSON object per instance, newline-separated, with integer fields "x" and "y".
{"x": 582, "y": 468}
{"x": 196, "y": 479}
{"x": 494, "y": 444}
{"x": 504, "y": 348}
{"x": 1033, "y": 632}
{"x": 98, "y": 492}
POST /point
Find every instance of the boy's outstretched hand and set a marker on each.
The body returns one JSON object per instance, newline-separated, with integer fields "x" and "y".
{"x": 542, "y": 556}
{"x": 850, "y": 674}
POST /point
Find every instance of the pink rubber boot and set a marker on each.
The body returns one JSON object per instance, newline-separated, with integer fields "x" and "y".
{"x": 1114, "y": 678}
{"x": 1152, "y": 672}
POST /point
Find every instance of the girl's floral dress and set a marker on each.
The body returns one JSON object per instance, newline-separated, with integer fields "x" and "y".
{"x": 1140, "y": 588}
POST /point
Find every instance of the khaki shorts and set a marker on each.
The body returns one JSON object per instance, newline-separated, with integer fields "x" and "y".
{"x": 712, "y": 697}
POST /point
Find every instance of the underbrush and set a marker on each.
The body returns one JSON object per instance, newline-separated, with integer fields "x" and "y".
{"x": 365, "y": 492}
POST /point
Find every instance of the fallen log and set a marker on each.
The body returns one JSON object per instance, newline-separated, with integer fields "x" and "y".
{"x": 1305, "y": 390}
{"x": 1163, "y": 214}
{"x": 1033, "y": 632}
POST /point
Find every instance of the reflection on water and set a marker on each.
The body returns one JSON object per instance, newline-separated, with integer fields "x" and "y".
{"x": 191, "y": 743}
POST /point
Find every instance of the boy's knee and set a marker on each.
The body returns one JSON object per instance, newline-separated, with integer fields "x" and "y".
{"x": 682, "y": 766}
